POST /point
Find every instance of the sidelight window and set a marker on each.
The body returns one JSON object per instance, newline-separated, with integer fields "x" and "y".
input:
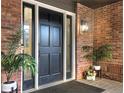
{"x": 68, "y": 46}
{"x": 28, "y": 40}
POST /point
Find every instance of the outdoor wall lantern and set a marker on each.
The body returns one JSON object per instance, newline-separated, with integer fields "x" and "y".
{"x": 84, "y": 26}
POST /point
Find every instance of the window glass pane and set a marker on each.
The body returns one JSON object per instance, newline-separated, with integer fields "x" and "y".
{"x": 28, "y": 40}
{"x": 27, "y": 37}
{"x": 68, "y": 46}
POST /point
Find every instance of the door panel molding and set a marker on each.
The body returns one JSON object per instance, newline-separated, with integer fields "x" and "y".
{"x": 45, "y": 36}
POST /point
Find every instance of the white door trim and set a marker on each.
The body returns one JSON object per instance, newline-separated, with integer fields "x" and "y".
{"x": 64, "y": 46}
{"x": 65, "y": 13}
{"x": 36, "y": 44}
{"x": 73, "y": 47}
{"x": 49, "y": 7}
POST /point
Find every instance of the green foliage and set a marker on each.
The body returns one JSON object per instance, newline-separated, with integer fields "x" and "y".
{"x": 86, "y": 48}
{"x": 11, "y": 61}
{"x": 90, "y": 71}
{"x": 14, "y": 41}
{"x": 103, "y": 52}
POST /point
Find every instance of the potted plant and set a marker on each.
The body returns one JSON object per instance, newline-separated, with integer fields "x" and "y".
{"x": 11, "y": 62}
{"x": 90, "y": 74}
{"x": 101, "y": 53}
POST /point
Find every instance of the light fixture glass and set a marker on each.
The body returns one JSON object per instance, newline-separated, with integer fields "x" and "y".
{"x": 84, "y": 26}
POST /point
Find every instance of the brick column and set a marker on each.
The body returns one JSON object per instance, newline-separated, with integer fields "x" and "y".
{"x": 85, "y": 38}
{"x": 10, "y": 22}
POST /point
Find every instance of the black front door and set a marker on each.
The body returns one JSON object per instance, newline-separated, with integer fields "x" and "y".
{"x": 50, "y": 46}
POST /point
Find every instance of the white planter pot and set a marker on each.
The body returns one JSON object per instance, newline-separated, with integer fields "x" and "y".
{"x": 97, "y": 67}
{"x": 91, "y": 78}
{"x": 7, "y": 87}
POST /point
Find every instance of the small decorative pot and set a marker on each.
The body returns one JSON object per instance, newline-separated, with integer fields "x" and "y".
{"x": 91, "y": 78}
{"x": 97, "y": 67}
{"x": 9, "y": 86}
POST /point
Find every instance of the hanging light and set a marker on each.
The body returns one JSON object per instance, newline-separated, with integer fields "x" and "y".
{"x": 84, "y": 26}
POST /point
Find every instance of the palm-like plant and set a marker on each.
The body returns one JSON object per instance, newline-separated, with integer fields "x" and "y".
{"x": 11, "y": 61}
{"x": 103, "y": 52}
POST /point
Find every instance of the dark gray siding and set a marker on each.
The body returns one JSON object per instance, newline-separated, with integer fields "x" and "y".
{"x": 68, "y": 5}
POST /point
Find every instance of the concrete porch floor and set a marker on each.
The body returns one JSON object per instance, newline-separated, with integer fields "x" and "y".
{"x": 110, "y": 86}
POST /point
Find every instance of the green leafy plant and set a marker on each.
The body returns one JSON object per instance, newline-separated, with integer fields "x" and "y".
{"x": 11, "y": 61}
{"x": 86, "y": 48}
{"x": 90, "y": 71}
{"x": 103, "y": 52}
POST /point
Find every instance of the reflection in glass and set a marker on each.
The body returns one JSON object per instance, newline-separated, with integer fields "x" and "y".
{"x": 27, "y": 37}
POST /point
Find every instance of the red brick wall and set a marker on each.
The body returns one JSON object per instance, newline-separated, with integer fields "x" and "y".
{"x": 85, "y": 38}
{"x": 107, "y": 23}
{"x": 10, "y": 22}
{"x": 108, "y": 29}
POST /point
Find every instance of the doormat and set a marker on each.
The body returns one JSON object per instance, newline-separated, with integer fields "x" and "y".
{"x": 71, "y": 87}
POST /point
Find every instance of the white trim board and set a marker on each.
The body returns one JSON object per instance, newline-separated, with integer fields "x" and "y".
{"x": 48, "y": 7}
{"x": 36, "y": 43}
{"x": 64, "y": 46}
{"x": 73, "y": 47}
{"x": 65, "y": 13}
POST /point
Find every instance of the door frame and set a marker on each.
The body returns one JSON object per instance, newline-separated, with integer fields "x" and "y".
{"x": 65, "y": 13}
